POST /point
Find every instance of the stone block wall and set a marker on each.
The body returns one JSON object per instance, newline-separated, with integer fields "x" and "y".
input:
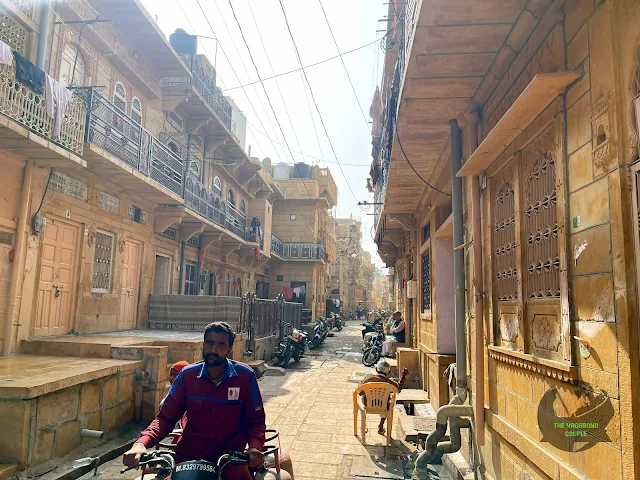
{"x": 519, "y": 410}
{"x": 47, "y": 427}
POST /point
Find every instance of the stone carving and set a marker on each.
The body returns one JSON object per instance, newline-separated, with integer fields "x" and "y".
{"x": 603, "y": 147}
{"x": 545, "y": 332}
{"x": 509, "y": 327}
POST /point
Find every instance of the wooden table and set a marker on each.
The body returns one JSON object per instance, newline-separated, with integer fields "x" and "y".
{"x": 411, "y": 397}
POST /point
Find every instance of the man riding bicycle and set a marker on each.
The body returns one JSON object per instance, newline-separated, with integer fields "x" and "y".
{"x": 222, "y": 401}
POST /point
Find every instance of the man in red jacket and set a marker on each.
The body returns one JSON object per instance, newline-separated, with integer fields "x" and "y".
{"x": 223, "y": 403}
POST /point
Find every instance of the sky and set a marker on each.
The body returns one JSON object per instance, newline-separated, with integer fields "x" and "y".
{"x": 296, "y": 121}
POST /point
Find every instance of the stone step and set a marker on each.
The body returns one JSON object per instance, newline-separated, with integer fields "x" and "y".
{"x": 7, "y": 470}
{"x": 258, "y": 367}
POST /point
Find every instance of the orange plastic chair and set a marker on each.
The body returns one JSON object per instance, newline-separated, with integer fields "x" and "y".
{"x": 379, "y": 399}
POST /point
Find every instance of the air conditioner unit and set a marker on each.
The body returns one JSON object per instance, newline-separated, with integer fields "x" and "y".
{"x": 412, "y": 289}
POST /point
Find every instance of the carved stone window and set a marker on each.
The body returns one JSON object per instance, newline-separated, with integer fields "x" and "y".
{"x": 541, "y": 229}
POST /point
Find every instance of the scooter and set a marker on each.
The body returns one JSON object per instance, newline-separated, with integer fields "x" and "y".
{"x": 336, "y": 322}
{"x": 320, "y": 332}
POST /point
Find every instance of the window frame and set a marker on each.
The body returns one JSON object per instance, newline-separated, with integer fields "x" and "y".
{"x": 550, "y": 311}
{"x": 111, "y": 262}
{"x": 121, "y": 97}
{"x": 136, "y": 110}
{"x": 188, "y": 265}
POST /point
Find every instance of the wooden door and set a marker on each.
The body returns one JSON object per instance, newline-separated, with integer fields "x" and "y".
{"x": 161, "y": 276}
{"x": 58, "y": 279}
{"x": 129, "y": 278}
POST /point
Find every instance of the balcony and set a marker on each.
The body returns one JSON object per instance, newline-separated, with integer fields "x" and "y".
{"x": 21, "y": 104}
{"x": 297, "y": 251}
{"x": 130, "y": 148}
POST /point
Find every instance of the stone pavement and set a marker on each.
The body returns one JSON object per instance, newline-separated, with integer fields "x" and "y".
{"x": 312, "y": 408}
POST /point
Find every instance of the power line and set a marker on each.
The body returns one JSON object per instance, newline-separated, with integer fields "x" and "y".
{"x": 353, "y": 89}
{"x": 272, "y": 71}
{"x": 314, "y": 100}
{"x": 265, "y": 91}
{"x": 414, "y": 170}
{"x": 307, "y": 66}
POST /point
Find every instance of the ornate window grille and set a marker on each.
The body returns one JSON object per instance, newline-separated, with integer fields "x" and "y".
{"x": 68, "y": 186}
{"x": 108, "y": 202}
{"x": 426, "y": 281}
{"x": 120, "y": 97}
{"x": 541, "y": 254}
{"x": 136, "y": 110}
{"x": 504, "y": 244}
{"x": 102, "y": 263}
{"x": 13, "y": 34}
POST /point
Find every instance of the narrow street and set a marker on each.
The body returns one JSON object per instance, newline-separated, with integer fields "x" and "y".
{"x": 312, "y": 408}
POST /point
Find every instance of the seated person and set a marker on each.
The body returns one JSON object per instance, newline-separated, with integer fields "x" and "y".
{"x": 398, "y": 331}
{"x": 383, "y": 370}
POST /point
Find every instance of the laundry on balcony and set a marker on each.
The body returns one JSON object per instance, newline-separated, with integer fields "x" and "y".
{"x": 56, "y": 101}
{"x": 28, "y": 74}
{"x": 6, "y": 57}
{"x": 287, "y": 293}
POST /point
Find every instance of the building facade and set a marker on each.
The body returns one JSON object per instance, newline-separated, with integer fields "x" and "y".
{"x": 148, "y": 188}
{"x": 520, "y": 228}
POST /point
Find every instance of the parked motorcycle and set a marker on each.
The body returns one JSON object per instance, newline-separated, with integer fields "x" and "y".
{"x": 162, "y": 464}
{"x": 372, "y": 348}
{"x": 336, "y": 322}
{"x": 320, "y": 332}
{"x": 294, "y": 347}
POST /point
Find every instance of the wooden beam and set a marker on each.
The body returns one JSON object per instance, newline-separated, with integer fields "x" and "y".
{"x": 532, "y": 102}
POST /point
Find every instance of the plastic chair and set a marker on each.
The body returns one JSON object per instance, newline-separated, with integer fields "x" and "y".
{"x": 379, "y": 399}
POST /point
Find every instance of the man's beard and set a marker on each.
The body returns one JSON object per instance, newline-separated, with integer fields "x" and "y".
{"x": 213, "y": 360}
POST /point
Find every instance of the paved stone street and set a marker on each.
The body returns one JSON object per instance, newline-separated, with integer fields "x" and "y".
{"x": 312, "y": 408}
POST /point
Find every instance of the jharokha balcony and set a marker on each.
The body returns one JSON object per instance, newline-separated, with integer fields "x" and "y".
{"x": 27, "y": 131}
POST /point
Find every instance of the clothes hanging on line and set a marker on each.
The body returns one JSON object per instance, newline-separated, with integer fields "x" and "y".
{"x": 287, "y": 293}
{"x": 28, "y": 74}
{"x": 6, "y": 57}
{"x": 56, "y": 100}
{"x": 297, "y": 291}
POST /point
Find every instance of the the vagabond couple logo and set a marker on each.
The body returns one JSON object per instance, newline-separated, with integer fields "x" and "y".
{"x": 574, "y": 419}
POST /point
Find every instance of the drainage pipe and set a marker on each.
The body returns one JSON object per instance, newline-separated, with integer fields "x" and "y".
{"x": 434, "y": 447}
{"x": 478, "y": 305}
{"x": 44, "y": 33}
{"x": 16, "y": 270}
{"x": 458, "y": 265}
{"x": 181, "y": 275}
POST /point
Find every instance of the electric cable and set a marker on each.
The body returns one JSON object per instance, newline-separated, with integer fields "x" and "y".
{"x": 314, "y": 101}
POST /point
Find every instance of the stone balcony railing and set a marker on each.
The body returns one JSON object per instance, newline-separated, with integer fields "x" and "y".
{"x": 297, "y": 250}
{"x": 27, "y": 107}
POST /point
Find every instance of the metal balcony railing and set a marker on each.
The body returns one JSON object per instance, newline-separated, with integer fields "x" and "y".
{"x": 110, "y": 129}
{"x": 27, "y": 107}
{"x": 205, "y": 83}
{"x": 200, "y": 199}
{"x": 297, "y": 250}
{"x": 236, "y": 221}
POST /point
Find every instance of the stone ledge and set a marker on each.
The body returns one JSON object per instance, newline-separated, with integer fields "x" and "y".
{"x": 23, "y": 377}
{"x": 553, "y": 369}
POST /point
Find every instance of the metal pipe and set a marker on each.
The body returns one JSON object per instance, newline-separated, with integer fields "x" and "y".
{"x": 85, "y": 432}
{"x": 434, "y": 448}
{"x": 43, "y": 34}
{"x": 478, "y": 305}
{"x": 181, "y": 277}
{"x": 21, "y": 239}
{"x": 458, "y": 264}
